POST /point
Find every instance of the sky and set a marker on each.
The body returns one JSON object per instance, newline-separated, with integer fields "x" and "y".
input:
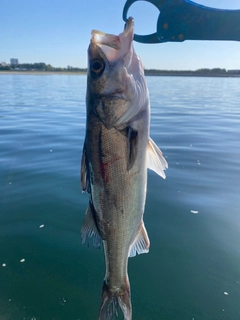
{"x": 58, "y": 32}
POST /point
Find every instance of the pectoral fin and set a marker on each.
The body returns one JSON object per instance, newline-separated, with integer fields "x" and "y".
{"x": 132, "y": 136}
{"x": 141, "y": 242}
{"x": 155, "y": 159}
{"x": 84, "y": 173}
{"x": 89, "y": 230}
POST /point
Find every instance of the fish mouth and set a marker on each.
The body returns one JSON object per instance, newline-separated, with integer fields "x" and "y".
{"x": 116, "y": 94}
{"x": 114, "y": 46}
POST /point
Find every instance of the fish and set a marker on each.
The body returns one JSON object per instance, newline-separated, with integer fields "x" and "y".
{"x": 116, "y": 154}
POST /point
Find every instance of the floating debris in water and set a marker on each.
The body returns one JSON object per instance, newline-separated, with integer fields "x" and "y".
{"x": 22, "y": 260}
{"x": 62, "y": 301}
{"x": 4, "y": 265}
{"x": 226, "y": 293}
{"x": 41, "y": 226}
{"x": 194, "y": 211}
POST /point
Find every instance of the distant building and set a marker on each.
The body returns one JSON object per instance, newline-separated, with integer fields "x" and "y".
{"x": 13, "y": 61}
{"x": 3, "y": 64}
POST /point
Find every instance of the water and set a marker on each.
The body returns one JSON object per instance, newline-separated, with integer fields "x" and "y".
{"x": 193, "y": 268}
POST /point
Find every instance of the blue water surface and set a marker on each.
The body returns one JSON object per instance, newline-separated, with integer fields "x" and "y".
{"x": 193, "y": 217}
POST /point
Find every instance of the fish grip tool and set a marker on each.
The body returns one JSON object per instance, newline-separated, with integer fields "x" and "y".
{"x": 181, "y": 20}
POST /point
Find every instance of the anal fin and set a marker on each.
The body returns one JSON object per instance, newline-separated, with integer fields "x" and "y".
{"x": 89, "y": 230}
{"x": 141, "y": 242}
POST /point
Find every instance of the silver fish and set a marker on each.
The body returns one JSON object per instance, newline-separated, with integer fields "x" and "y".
{"x": 117, "y": 152}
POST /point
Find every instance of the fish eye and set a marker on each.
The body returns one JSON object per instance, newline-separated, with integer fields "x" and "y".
{"x": 97, "y": 67}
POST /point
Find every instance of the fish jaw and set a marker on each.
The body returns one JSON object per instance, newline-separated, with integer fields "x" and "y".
{"x": 115, "y": 47}
{"x": 118, "y": 91}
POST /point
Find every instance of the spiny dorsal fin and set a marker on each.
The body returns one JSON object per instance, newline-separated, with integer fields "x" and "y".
{"x": 89, "y": 230}
{"x": 155, "y": 159}
{"x": 141, "y": 242}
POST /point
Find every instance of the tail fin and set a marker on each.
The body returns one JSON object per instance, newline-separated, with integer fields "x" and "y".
{"x": 111, "y": 301}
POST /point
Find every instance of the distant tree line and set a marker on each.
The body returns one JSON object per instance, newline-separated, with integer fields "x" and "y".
{"x": 5, "y": 68}
{"x": 40, "y": 66}
{"x": 214, "y": 70}
{"x": 199, "y": 71}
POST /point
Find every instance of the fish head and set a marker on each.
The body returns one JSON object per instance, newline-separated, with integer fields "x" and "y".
{"x": 116, "y": 88}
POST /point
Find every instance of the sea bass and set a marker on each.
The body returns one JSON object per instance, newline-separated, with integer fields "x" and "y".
{"x": 117, "y": 152}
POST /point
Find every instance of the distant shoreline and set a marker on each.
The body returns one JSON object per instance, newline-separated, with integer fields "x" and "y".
{"x": 191, "y": 74}
{"x": 44, "y": 72}
{"x": 147, "y": 73}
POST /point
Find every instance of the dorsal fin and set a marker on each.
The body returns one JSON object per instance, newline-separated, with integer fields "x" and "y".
{"x": 141, "y": 242}
{"x": 155, "y": 159}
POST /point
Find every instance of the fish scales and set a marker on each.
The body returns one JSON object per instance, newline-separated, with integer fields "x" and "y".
{"x": 117, "y": 196}
{"x": 117, "y": 151}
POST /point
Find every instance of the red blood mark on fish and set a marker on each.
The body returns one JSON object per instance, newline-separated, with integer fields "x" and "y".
{"x": 105, "y": 168}
{"x": 104, "y": 171}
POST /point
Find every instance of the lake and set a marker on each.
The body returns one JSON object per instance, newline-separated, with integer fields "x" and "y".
{"x": 192, "y": 271}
